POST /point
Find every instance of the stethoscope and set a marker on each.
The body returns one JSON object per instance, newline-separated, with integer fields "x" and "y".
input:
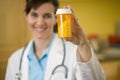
{"x": 62, "y": 65}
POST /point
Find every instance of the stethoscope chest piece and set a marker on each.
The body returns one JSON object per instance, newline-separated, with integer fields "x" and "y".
{"x": 18, "y": 76}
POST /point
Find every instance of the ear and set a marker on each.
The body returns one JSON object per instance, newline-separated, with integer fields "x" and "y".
{"x": 26, "y": 18}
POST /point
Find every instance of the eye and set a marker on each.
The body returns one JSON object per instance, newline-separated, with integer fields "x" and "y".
{"x": 47, "y": 15}
{"x": 33, "y": 14}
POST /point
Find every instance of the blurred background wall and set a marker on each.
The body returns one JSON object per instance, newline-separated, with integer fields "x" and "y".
{"x": 13, "y": 30}
{"x": 95, "y": 17}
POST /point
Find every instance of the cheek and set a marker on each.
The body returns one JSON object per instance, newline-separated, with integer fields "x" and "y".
{"x": 52, "y": 26}
{"x": 29, "y": 25}
{"x": 29, "y": 22}
{"x": 49, "y": 23}
{"x": 52, "y": 22}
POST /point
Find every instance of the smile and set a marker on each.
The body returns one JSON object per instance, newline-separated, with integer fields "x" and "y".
{"x": 40, "y": 29}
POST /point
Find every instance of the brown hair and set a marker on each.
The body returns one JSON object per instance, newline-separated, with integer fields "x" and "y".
{"x": 35, "y": 3}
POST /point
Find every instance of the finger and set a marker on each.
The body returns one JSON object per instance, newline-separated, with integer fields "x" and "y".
{"x": 65, "y": 7}
{"x": 73, "y": 13}
{"x": 68, "y": 39}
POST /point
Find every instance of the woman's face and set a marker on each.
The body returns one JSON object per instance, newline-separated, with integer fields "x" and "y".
{"x": 41, "y": 21}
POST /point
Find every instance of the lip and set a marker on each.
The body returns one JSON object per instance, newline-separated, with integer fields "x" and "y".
{"x": 40, "y": 29}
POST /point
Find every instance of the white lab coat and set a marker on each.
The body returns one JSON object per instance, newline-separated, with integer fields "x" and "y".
{"x": 77, "y": 70}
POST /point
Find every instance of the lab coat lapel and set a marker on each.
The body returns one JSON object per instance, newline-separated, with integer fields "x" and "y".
{"x": 25, "y": 62}
{"x": 55, "y": 57}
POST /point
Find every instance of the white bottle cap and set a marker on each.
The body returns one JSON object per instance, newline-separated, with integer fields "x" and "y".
{"x": 63, "y": 11}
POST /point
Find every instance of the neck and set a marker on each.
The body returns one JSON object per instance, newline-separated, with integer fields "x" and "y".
{"x": 41, "y": 45}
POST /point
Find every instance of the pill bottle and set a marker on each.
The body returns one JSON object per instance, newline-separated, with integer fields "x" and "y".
{"x": 64, "y": 17}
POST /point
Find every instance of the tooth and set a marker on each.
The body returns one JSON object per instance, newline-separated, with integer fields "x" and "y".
{"x": 40, "y": 29}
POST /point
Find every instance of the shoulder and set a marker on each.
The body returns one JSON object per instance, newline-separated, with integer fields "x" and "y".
{"x": 13, "y": 62}
{"x": 16, "y": 55}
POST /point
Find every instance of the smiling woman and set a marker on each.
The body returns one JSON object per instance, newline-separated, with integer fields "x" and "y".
{"x": 48, "y": 57}
{"x": 41, "y": 21}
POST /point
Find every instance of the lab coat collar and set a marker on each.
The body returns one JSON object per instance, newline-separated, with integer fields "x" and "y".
{"x": 54, "y": 58}
{"x": 25, "y": 62}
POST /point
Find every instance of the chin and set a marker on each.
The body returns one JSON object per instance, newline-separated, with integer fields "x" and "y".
{"x": 43, "y": 37}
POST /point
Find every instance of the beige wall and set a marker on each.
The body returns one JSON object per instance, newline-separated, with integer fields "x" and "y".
{"x": 13, "y": 30}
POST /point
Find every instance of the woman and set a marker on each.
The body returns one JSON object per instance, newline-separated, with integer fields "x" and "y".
{"x": 46, "y": 50}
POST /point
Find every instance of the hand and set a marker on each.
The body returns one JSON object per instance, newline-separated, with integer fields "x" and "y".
{"x": 79, "y": 38}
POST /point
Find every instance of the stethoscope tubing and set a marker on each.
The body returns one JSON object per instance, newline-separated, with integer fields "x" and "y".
{"x": 19, "y": 74}
{"x": 61, "y": 65}
{"x": 63, "y": 61}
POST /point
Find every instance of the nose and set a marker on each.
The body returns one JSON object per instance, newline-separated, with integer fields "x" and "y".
{"x": 40, "y": 21}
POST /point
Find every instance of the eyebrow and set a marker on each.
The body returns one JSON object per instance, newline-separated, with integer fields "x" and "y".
{"x": 34, "y": 10}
